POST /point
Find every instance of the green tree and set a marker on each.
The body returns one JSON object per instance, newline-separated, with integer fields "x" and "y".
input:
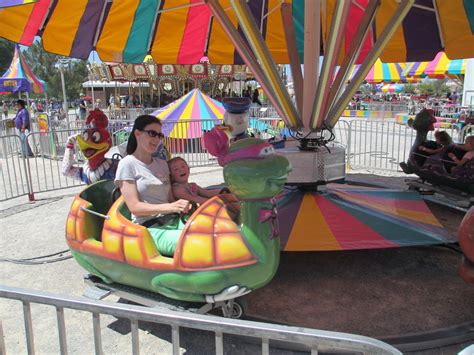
{"x": 46, "y": 67}
{"x": 6, "y": 54}
{"x": 440, "y": 87}
{"x": 426, "y": 88}
{"x": 409, "y": 88}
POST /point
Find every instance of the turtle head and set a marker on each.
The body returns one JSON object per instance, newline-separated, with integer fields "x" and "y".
{"x": 252, "y": 169}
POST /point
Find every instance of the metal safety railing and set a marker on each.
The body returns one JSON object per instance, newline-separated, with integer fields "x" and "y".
{"x": 268, "y": 334}
{"x": 370, "y": 144}
{"x": 382, "y": 145}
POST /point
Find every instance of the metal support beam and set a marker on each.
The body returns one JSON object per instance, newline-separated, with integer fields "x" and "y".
{"x": 247, "y": 55}
{"x": 257, "y": 43}
{"x": 331, "y": 54}
{"x": 295, "y": 63}
{"x": 353, "y": 52}
{"x": 392, "y": 25}
{"x": 312, "y": 49}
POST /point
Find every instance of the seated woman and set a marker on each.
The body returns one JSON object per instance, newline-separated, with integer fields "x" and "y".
{"x": 442, "y": 143}
{"x": 182, "y": 188}
{"x": 144, "y": 181}
{"x": 427, "y": 148}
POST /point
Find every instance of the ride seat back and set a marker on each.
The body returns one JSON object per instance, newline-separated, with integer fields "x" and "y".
{"x": 100, "y": 197}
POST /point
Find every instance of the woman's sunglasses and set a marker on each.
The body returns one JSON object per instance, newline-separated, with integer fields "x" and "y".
{"x": 152, "y": 133}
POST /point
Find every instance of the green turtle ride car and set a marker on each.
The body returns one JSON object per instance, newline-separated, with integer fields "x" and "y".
{"x": 227, "y": 248}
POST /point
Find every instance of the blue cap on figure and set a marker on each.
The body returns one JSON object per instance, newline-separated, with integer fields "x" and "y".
{"x": 236, "y": 104}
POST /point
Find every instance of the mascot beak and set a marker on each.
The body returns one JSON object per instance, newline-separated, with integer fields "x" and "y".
{"x": 91, "y": 149}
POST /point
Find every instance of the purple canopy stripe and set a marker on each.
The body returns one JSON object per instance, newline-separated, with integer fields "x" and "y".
{"x": 188, "y": 116}
{"x": 10, "y": 3}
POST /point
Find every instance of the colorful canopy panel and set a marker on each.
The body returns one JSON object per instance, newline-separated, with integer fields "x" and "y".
{"x": 9, "y": 3}
{"x": 439, "y": 67}
{"x": 190, "y": 115}
{"x": 392, "y": 88}
{"x": 183, "y": 31}
{"x": 19, "y": 77}
{"x": 345, "y": 217}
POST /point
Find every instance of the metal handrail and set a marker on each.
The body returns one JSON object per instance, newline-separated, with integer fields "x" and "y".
{"x": 313, "y": 339}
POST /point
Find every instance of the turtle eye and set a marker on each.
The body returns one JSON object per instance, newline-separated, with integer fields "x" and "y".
{"x": 85, "y": 135}
{"x": 267, "y": 151}
{"x": 96, "y": 137}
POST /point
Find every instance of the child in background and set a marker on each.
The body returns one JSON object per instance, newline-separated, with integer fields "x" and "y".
{"x": 468, "y": 146}
{"x": 182, "y": 189}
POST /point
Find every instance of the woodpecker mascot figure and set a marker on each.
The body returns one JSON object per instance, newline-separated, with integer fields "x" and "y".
{"x": 94, "y": 143}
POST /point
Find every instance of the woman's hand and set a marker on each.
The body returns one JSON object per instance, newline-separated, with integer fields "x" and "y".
{"x": 452, "y": 156}
{"x": 181, "y": 206}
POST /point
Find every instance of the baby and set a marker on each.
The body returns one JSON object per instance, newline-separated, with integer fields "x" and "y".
{"x": 182, "y": 189}
{"x": 469, "y": 148}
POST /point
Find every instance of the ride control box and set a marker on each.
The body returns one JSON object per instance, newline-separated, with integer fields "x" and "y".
{"x": 324, "y": 164}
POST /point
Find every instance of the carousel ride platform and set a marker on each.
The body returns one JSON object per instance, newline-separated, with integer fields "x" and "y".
{"x": 411, "y": 297}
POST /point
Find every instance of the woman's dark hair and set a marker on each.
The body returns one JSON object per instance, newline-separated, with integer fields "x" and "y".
{"x": 21, "y": 103}
{"x": 140, "y": 123}
{"x": 443, "y": 137}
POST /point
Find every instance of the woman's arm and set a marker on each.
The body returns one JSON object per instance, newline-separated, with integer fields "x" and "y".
{"x": 139, "y": 208}
{"x": 431, "y": 151}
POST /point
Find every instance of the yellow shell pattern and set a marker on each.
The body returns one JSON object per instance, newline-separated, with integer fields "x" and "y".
{"x": 212, "y": 238}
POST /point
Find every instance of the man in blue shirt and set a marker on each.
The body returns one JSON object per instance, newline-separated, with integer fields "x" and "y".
{"x": 22, "y": 124}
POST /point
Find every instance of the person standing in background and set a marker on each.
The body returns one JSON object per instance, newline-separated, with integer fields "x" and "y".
{"x": 5, "y": 109}
{"x": 82, "y": 107}
{"x": 22, "y": 124}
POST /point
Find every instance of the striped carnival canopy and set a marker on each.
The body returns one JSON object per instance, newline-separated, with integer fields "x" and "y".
{"x": 183, "y": 31}
{"x": 392, "y": 88}
{"x": 351, "y": 217}
{"x": 190, "y": 115}
{"x": 258, "y": 33}
{"x": 19, "y": 77}
{"x": 439, "y": 67}
{"x": 382, "y": 73}
{"x": 385, "y": 72}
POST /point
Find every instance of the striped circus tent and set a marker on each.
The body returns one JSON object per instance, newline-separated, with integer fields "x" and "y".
{"x": 385, "y": 72}
{"x": 19, "y": 77}
{"x": 190, "y": 115}
{"x": 183, "y": 31}
{"x": 392, "y": 88}
{"x": 346, "y": 217}
{"x": 439, "y": 67}
{"x": 442, "y": 65}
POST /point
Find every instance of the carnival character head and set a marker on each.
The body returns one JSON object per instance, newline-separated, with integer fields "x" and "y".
{"x": 252, "y": 169}
{"x": 94, "y": 142}
{"x": 236, "y": 117}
